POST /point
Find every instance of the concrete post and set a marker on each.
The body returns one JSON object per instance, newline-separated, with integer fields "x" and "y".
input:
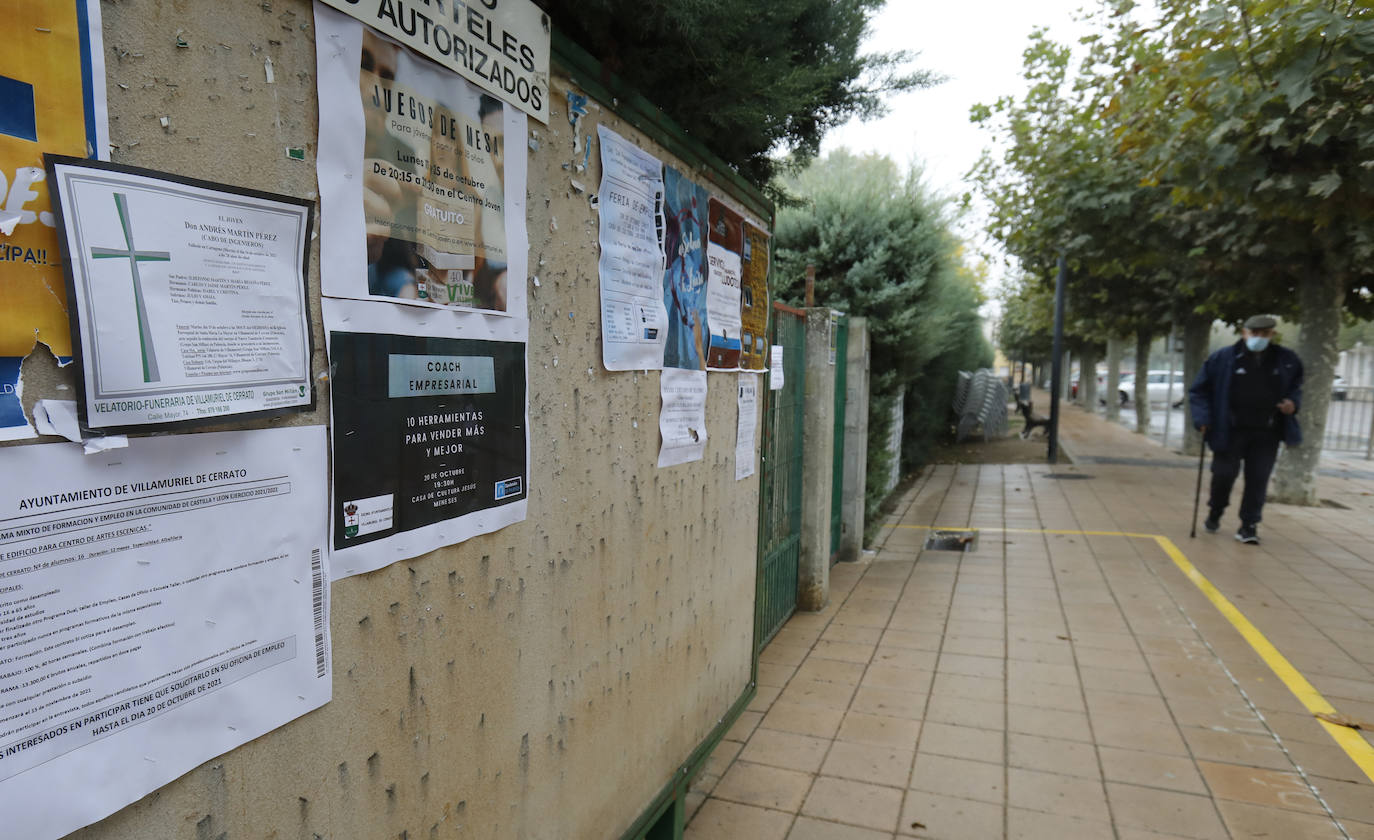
{"x": 818, "y": 442}
{"x": 855, "y": 441}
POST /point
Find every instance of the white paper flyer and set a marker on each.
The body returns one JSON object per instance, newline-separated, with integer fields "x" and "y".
{"x": 420, "y": 202}
{"x": 748, "y": 423}
{"x": 682, "y": 422}
{"x": 162, "y": 604}
{"x": 634, "y": 321}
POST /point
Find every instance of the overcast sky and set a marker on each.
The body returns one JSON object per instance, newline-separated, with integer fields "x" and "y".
{"x": 978, "y": 47}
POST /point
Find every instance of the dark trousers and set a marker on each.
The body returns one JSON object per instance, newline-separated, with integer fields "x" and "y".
{"x": 1257, "y": 449}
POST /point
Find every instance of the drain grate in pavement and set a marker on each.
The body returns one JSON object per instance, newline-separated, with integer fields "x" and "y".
{"x": 952, "y": 541}
{"x": 1069, "y": 476}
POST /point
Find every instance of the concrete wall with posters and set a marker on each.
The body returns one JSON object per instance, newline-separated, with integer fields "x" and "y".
{"x": 545, "y": 681}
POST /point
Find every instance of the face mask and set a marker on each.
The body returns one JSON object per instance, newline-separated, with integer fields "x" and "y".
{"x": 1256, "y": 343}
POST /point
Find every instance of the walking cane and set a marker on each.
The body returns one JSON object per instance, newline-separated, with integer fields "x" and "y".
{"x": 1197, "y": 494}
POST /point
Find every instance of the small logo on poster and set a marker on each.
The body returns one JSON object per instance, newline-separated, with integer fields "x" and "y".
{"x": 509, "y": 487}
{"x": 365, "y": 516}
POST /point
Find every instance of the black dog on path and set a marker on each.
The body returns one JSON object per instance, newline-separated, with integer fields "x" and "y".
{"x": 1032, "y": 420}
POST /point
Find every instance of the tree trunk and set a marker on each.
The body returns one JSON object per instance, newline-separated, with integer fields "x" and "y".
{"x": 1087, "y": 379}
{"x": 1197, "y": 334}
{"x": 1320, "y": 297}
{"x": 1065, "y": 388}
{"x": 1142, "y": 380}
{"x": 1113, "y": 392}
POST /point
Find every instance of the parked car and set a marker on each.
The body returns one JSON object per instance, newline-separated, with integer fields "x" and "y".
{"x": 1073, "y": 387}
{"x": 1156, "y": 387}
{"x": 1338, "y": 391}
{"x": 1102, "y": 385}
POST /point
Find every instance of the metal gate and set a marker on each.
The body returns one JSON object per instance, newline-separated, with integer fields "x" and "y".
{"x": 1350, "y": 420}
{"x": 839, "y": 346}
{"x": 780, "y": 479}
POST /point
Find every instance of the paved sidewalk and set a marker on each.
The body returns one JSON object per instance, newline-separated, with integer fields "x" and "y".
{"x": 1058, "y": 684}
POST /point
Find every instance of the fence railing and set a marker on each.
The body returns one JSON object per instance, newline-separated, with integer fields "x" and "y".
{"x": 1350, "y": 421}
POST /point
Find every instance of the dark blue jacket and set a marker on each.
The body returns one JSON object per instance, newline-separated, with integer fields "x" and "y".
{"x": 1210, "y": 395}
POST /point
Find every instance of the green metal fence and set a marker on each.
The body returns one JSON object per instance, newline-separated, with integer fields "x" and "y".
{"x": 839, "y": 342}
{"x": 780, "y": 479}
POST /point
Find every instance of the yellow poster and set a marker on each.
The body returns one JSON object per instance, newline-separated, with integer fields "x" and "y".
{"x": 48, "y": 103}
{"x": 754, "y": 300}
{"x": 44, "y": 107}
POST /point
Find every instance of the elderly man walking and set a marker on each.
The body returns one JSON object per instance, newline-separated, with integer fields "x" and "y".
{"x": 1245, "y": 401}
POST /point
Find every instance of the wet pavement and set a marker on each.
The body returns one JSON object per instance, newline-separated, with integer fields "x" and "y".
{"x": 1087, "y": 670}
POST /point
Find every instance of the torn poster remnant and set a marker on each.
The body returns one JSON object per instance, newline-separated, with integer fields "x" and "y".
{"x": 52, "y": 99}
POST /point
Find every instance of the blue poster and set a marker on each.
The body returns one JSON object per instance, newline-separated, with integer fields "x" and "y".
{"x": 11, "y": 410}
{"x": 684, "y": 281}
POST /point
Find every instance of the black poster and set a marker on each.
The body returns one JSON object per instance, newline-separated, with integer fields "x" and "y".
{"x": 426, "y": 430}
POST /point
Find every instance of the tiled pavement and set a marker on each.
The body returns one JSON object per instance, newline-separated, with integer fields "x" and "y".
{"x": 1063, "y": 686}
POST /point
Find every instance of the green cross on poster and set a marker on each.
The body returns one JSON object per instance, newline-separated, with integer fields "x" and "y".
{"x": 134, "y": 256}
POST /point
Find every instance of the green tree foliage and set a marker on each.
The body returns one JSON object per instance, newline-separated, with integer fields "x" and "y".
{"x": 1356, "y": 332}
{"x": 1264, "y": 112}
{"x": 1264, "y": 108}
{"x": 883, "y": 249}
{"x": 1025, "y": 332}
{"x": 1216, "y": 163}
{"x": 1061, "y": 188}
{"x": 748, "y": 80}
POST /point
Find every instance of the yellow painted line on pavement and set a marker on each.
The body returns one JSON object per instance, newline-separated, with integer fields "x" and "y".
{"x": 1027, "y": 531}
{"x": 1350, "y": 740}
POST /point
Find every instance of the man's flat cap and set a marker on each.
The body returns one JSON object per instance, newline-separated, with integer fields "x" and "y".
{"x": 1260, "y": 322}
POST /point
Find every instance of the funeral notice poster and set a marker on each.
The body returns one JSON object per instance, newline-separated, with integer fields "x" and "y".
{"x": 420, "y": 202}
{"x": 52, "y": 99}
{"x": 430, "y": 431}
{"x": 501, "y": 45}
{"x": 159, "y": 606}
{"x": 723, "y": 267}
{"x": 189, "y": 297}
{"x": 754, "y": 299}
{"x": 748, "y": 424}
{"x": 634, "y": 322}
{"x": 682, "y": 420}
